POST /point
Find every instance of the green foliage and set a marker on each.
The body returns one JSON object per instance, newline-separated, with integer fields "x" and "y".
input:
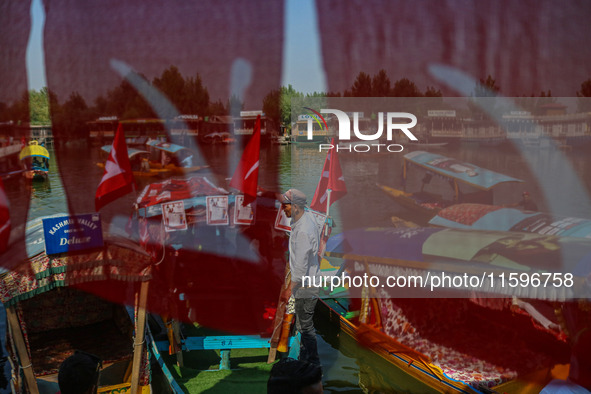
{"x": 277, "y": 105}
{"x": 585, "y": 89}
{"x": 188, "y": 96}
{"x": 486, "y": 88}
{"x": 234, "y": 106}
{"x": 483, "y": 104}
{"x": 362, "y": 86}
{"x": 405, "y": 88}
{"x": 584, "y": 100}
{"x": 39, "y": 107}
{"x": 126, "y": 103}
{"x": 380, "y": 86}
{"x": 271, "y": 107}
{"x": 432, "y": 92}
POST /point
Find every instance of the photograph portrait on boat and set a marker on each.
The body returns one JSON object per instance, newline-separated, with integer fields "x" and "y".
{"x": 174, "y": 217}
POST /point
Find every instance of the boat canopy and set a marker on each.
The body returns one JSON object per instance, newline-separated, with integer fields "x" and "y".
{"x": 492, "y": 217}
{"x": 33, "y": 150}
{"x": 429, "y": 250}
{"x": 119, "y": 259}
{"x": 467, "y": 173}
{"x": 131, "y": 152}
{"x": 191, "y": 191}
{"x": 166, "y": 146}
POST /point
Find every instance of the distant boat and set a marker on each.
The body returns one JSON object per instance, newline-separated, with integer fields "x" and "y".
{"x": 218, "y": 137}
{"x": 176, "y": 158}
{"x": 35, "y": 161}
{"x": 137, "y": 158}
{"x": 281, "y": 140}
{"x": 428, "y": 144}
{"x": 10, "y": 165}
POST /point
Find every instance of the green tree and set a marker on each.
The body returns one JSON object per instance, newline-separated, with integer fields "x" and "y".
{"x": 216, "y": 108}
{"x": 196, "y": 97}
{"x": 405, "y": 88}
{"x": 39, "y": 107}
{"x": 100, "y": 107}
{"x": 126, "y": 103}
{"x": 4, "y": 112}
{"x": 362, "y": 86}
{"x": 277, "y": 105}
{"x": 585, "y": 89}
{"x": 19, "y": 110}
{"x": 70, "y": 118}
{"x": 272, "y": 108}
{"x": 172, "y": 84}
{"x": 483, "y": 102}
{"x": 290, "y": 102}
{"x": 380, "y": 85}
{"x": 486, "y": 88}
{"x": 234, "y": 105}
{"x": 431, "y": 92}
{"x": 583, "y": 101}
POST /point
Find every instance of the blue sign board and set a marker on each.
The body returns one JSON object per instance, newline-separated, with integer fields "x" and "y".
{"x": 69, "y": 233}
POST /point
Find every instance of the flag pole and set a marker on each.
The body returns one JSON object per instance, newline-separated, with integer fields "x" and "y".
{"x": 328, "y": 191}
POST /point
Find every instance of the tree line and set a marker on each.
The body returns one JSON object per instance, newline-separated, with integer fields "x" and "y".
{"x": 190, "y": 96}
{"x": 187, "y": 94}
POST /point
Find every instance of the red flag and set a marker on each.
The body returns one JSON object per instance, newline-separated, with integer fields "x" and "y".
{"x": 4, "y": 219}
{"x": 246, "y": 176}
{"x": 118, "y": 178}
{"x": 331, "y": 179}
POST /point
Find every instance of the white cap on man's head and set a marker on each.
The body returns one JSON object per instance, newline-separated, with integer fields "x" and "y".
{"x": 294, "y": 196}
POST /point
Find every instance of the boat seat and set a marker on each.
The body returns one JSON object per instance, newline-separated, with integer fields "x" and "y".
{"x": 480, "y": 352}
{"x": 64, "y": 320}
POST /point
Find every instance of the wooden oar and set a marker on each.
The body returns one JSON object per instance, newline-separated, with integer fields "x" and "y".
{"x": 280, "y": 316}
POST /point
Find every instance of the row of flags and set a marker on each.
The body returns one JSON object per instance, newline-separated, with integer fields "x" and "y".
{"x": 118, "y": 178}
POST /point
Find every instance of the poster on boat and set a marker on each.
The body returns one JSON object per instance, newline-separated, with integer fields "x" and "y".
{"x": 173, "y": 216}
{"x": 217, "y": 210}
{"x": 243, "y": 214}
{"x": 319, "y": 218}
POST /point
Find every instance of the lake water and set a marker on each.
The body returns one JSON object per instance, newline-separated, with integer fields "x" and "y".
{"x": 559, "y": 181}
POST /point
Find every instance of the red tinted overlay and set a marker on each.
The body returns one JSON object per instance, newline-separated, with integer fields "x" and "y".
{"x": 177, "y": 74}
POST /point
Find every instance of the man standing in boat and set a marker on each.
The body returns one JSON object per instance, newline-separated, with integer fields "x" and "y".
{"x": 303, "y": 261}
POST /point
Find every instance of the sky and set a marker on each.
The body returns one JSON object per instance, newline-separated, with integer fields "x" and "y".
{"x": 518, "y": 45}
{"x": 304, "y": 73}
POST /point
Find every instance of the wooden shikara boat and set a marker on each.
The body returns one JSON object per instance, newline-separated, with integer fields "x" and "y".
{"x": 138, "y": 160}
{"x": 425, "y": 204}
{"x": 175, "y": 158}
{"x": 223, "y": 272}
{"x": 497, "y": 218}
{"x": 35, "y": 161}
{"x": 51, "y": 313}
{"x": 498, "y": 338}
